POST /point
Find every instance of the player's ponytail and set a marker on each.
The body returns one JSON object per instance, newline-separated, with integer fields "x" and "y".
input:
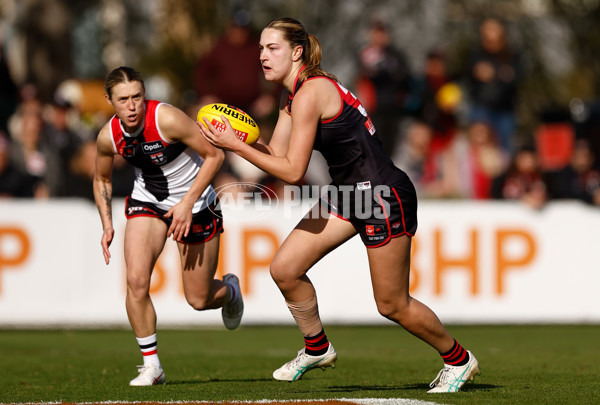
{"x": 295, "y": 33}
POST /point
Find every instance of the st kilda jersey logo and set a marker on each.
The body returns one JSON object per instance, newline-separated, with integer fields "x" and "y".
{"x": 155, "y": 150}
{"x": 127, "y": 147}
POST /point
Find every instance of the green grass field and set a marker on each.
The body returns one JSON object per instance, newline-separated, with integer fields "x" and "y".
{"x": 520, "y": 365}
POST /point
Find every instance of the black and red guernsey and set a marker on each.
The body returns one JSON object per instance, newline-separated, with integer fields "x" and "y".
{"x": 382, "y": 201}
{"x": 350, "y": 145}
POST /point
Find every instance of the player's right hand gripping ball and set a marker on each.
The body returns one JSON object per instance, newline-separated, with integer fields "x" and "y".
{"x": 243, "y": 124}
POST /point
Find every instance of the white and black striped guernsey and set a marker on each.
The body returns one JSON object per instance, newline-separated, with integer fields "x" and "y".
{"x": 164, "y": 171}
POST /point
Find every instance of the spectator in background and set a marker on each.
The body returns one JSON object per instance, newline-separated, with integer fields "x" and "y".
{"x": 435, "y": 99}
{"x": 522, "y": 180}
{"x": 13, "y": 181}
{"x": 493, "y": 76}
{"x": 478, "y": 160}
{"x": 413, "y": 155}
{"x": 434, "y": 171}
{"x": 581, "y": 179}
{"x": 80, "y": 172}
{"x": 61, "y": 141}
{"x": 383, "y": 83}
{"x": 32, "y": 156}
{"x": 230, "y": 72}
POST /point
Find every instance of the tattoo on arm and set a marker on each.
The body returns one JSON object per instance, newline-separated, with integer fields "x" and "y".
{"x": 106, "y": 196}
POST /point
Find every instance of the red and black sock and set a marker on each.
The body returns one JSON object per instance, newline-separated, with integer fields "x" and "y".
{"x": 457, "y": 356}
{"x": 316, "y": 345}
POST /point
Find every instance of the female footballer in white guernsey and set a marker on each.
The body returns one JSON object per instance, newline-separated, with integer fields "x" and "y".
{"x": 317, "y": 112}
{"x": 172, "y": 196}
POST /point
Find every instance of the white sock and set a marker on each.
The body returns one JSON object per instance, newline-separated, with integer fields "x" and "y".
{"x": 148, "y": 346}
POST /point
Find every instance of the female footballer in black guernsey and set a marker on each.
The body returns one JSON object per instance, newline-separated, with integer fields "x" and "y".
{"x": 317, "y": 112}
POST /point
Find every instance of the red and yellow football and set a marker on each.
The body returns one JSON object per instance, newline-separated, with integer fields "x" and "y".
{"x": 244, "y": 126}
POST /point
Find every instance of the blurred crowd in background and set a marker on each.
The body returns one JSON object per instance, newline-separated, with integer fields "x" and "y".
{"x": 453, "y": 130}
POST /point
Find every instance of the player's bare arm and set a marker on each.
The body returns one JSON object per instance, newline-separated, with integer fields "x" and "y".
{"x": 280, "y": 139}
{"x": 295, "y": 133}
{"x": 103, "y": 188}
{"x": 291, "y": 145}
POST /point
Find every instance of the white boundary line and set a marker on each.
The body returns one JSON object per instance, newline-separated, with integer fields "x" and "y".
{"x": 389, "y": 401}
{"x": 363, "y": 401}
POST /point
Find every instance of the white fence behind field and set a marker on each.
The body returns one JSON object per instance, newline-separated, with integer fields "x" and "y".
{"x": 489, "y": 262}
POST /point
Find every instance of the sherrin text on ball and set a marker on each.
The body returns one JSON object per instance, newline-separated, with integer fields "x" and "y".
{"x": 243, "y": 124}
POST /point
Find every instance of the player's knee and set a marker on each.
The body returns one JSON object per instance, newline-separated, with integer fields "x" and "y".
{"x": 278, "y": 272}
{"x": 199, "y": 303}
{"x": 393, "y": 310}
{"x": 387, "y": 311}
{"x": 138, "y": 286}
{"x": 285, "y": 274}
{"x": 283, "y": 277}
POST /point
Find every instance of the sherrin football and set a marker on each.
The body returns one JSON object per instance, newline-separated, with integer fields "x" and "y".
{"x": 243, "y": 124}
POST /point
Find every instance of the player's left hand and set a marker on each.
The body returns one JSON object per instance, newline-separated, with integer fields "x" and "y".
{"x": 181, "y": 221}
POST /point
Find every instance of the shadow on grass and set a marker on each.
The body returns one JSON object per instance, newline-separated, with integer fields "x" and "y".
{"x": 480, "y": 387}
{"x": 334, "y": 388}
{"x": 407, "y": 387}
{"x": 217, "y": 380}
{"x": 356, "y": 388}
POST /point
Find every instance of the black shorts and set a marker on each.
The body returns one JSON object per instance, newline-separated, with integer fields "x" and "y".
{"x": 206, "y": 223}
{"x": 378, "y": 214}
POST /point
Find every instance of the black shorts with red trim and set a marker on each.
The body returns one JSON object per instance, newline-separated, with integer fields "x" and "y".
{"x": 206, "y": 223}
{"x": 378, "y": 214}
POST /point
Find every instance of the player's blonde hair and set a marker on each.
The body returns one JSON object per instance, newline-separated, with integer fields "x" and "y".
{"x": 122, "y": 74}
{"x": 295, "y": 33}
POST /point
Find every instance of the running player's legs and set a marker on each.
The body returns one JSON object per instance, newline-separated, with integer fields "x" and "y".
{"x": 390, "y": 268}
{"x": 144, "y": 240}
{"x": 198, "y": 265}
{"x": 308, "y": 242}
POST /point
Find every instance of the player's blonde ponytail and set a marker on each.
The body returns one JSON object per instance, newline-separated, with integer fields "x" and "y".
{"x": 295, "y": 33}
